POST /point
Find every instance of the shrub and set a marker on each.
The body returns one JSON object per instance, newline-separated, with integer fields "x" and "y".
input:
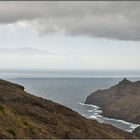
{"x": 11, "y": 131}
{"x": 1, "y": 108}
{"x": 27, "y": 124}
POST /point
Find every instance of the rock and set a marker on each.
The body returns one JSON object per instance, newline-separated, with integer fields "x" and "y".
{"x": 137, "y": 131}
{"x": 23, "y": 115}
{"x": 121, "y": 101}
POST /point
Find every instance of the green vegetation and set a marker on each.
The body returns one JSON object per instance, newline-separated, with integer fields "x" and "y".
{"x": 11, "y": 131}
{"x": 27, "y": 124}
{"x": 1, "y": 108}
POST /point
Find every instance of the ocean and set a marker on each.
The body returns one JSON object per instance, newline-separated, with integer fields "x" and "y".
{"x": 71, "y": 92}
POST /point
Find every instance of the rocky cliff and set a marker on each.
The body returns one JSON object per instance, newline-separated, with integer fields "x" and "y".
{"x": 23, "y": 115}
{"x": 121, "y": 101}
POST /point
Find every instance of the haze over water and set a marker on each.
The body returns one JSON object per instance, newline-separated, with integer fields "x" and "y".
{"x": 69, "y": 73}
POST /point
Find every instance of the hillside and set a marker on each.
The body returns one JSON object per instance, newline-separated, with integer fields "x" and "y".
{"x": 121, "y": 101}
{"x": 23, "y": 115}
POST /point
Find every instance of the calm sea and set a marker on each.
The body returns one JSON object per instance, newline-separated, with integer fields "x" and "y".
{"x": 71, "y": 92}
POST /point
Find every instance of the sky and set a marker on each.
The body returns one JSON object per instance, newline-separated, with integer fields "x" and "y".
{"x": 68, "y": 35}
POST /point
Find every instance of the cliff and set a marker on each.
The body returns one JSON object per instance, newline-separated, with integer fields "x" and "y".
{"x": 23, "y": 115}
{"x": 121, "y": 101}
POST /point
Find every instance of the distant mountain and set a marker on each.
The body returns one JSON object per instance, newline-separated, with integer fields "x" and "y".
{"x": 23, "y": 115}
{"x": 121, "y": 101}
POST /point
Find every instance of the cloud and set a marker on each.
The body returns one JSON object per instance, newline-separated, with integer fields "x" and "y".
{"x": 113, "y": 20}
{"x": 23, "y": 51}
{"x": 29, "y": 51}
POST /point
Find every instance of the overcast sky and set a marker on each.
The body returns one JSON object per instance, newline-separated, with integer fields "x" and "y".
{"x": 70, "y": 35}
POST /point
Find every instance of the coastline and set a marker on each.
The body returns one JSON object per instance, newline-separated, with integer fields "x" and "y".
{"x": 101, "y": 118}
{"x": 26, "y": 116}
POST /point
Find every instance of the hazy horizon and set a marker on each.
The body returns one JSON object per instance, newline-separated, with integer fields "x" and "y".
{"x": 68, "y": 74}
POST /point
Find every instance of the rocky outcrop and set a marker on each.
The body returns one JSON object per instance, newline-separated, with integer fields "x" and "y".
{"x": 121, "y": 101}
{"x": 23, "y": 115}
{"x": 137, "y": 131}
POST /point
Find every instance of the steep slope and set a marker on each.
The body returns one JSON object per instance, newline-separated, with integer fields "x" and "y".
{"x": 121, "y": 101}
{"x": 23, "y": 115}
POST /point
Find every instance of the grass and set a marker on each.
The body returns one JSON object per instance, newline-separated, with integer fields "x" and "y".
{"x": 27, "y": 124}
{"x": 1, "y": 108}
{"x": 11, "y": 131}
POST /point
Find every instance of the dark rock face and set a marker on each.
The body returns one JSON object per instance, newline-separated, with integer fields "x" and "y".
{"x": 121, "y": 101}
{"x": 23, "y": 115}
{"x": 137, "y": 131}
